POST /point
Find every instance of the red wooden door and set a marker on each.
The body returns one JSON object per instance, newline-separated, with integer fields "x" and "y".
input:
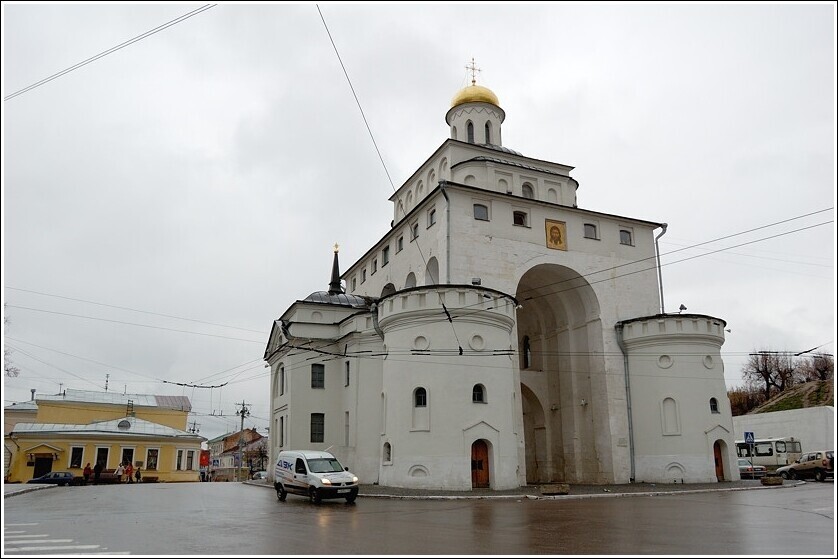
{"x": 479, "y": 464}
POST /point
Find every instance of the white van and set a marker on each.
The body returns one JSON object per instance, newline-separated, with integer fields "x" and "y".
{"x": 314, "y": 474}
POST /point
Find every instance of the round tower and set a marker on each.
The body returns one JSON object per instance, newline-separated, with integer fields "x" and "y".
{"x": 680, "y": 421}
{"x": 451, "y": 408}
{"x": 475, "y": 116}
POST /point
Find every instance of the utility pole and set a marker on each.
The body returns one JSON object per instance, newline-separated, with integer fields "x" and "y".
{"x": 243, "y": 412}
{"x": 195, "y": 426}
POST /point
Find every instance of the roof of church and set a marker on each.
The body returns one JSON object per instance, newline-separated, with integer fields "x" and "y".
{"x": 475, "y": 94}
{"x": 503, "y": 149}
{"x": 336, "y": 295}
{"x": 342, "y": 299}
{"x": 512, "y": 163}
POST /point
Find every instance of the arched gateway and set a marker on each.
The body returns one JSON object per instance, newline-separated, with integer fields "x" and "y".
{"x": 562, "y": 380}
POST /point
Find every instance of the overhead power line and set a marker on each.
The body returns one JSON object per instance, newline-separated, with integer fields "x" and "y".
{"x": 133, "y": 324}
{"x": 203, "y": 8}
{"x": 393, "y": 186}
{"x": 133, "y": 310}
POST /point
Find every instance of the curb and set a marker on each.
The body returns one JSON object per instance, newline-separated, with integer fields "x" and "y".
{"x": 28, "y": 489}
{"x": 559, "y": 497}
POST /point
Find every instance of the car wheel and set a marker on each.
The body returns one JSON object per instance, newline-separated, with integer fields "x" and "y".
{"x": 351, "y": 499}
{"x": 314, "y": 495}
{"x": 281, "y": 493}
{"x": 819, "y": 476}
{"x": 784, "y": 475}
{"x": 792, "y": 474}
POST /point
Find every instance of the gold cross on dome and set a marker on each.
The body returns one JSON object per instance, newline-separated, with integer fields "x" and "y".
{"x": 473, "y": 69}
{"x": 336, "y": 247}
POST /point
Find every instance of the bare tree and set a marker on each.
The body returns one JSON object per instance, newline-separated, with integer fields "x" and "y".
{"x": 785, "y": 366}
{"x": 761, "y": 369}
{"x": 820, "y": 366}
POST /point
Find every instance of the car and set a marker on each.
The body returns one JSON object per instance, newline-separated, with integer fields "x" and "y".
{"x": 260, "y": 475}
{"x": 314, "y": 474}
{"x": 56, "y": 478}
{"x": 818, "y": 465}
{"x": 750, "y": 471}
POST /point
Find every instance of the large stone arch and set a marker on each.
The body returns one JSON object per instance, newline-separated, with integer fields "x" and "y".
{"x": 565, "y": 380}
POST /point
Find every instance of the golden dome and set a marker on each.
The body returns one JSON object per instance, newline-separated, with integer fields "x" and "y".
{"x": 475, "y": 94}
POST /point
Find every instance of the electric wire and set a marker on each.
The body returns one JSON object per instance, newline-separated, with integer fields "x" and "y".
{"x": 132, "y": 309}
{"x": 392, "y": 185}
{"x": 109, "y": 51}
{"x": 134, "y": 324}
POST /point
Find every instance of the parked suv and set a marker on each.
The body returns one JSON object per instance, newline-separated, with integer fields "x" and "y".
{"x": 818, "y": 465}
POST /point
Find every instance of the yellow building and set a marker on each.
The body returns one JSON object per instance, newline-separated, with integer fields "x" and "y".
{"x": 78, "y": 427}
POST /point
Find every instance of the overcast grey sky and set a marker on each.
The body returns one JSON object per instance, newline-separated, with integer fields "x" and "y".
{"x": 205, "y": 171}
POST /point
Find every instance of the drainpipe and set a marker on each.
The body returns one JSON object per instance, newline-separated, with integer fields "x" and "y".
{"x": 658, "y": 257}
{"x": 619, "y": 328}
{"x": 374, "y": 311}
{"x": 447, "y": 233}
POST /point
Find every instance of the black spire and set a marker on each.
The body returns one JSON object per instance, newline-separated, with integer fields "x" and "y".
{"x": 335, "y": 288}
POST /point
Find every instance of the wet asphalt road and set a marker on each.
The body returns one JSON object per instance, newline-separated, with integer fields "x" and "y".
{"x": 236, "y": 519}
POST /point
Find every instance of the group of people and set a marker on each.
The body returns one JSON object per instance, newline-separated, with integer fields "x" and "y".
{"x": 126, "y": 469}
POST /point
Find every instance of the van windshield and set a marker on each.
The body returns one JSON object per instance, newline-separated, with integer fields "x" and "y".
{"x": 324, "y": 465}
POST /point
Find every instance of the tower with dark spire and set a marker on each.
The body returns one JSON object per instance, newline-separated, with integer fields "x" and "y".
{"x": 335, "y": 288}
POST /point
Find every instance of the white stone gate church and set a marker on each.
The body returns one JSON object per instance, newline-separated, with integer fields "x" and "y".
{"x": 500, "y": 335}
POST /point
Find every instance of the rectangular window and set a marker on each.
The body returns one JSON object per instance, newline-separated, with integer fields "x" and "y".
{"x": 354, "y": 283}
{"x": 102, "y": 456}
{"x": 590, "y": 231}
{"x": 346, "y": 429}
{"x": 281, "y": 381}
{"x": 374, "y": 265}
{"x": 318, "y": 376}
{"x": 346, "y": 367}
{"x": 151, "y": 458}
{"x": 76, "y": 454}
{"x": 363, "y": 275}
{"x": 481, "y": 212}
{"x": 414, "y": 231}
{"x": 519, "y": 218}
{"x": 317, "y": 427}
{"x": 282, "y": 430}
{"x": 400, "y": 244}
{"x": 625, "y": 237}
{"x": 127, "y": 455}
{"x": 431, "y": 217}
{"x": 385, "y": 256}
{"x": 179, "y": 464}
{"x": 190, "y": 459}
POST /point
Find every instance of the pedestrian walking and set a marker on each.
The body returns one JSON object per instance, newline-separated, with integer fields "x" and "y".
{"x": 118, "y": 473}
{"x": 138, "y": 475}
{"x": 129, "y": 472}
{"x": 97, "y": 471}
{"x": 88, "y": 471}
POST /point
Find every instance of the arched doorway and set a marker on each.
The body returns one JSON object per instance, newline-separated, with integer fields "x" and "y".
{"x": 717, "y": 459}
{"x": 536, "y": 451}
{"x": 560, "y": 329}
{"x": 479, "y": 464}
